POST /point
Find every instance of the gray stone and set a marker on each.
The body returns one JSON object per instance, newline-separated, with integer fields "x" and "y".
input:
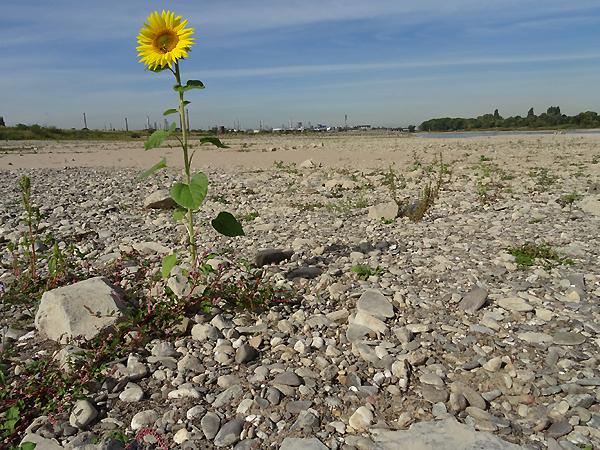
{"x": 305, "y": 272}
{"x": 210, "y": 423}
{"x": 592, "y": 381}
{"x": 361, "y": 419}
{"x": 253, "y": 329}
{"x": 191, "y": 363}
{"x": 229, "y": 433}
{"x": 386, "y": 211}
{"x": 248, "y": 444}
{"x": 404, "y": 335}
{"x": 559, "y": 429}
{"x": 371, "y": 322}
{"x": 357, "y": 332}
{"x": 515, "y": 304}
{"x": 568, "y": 338}
{"x": 375, "y": 304}
{"x": 433, "y": 394}
{"x": 151, "y": 247}
{"x": 302, "y": 444}
{"x": 134, "y": 370}
{"x": 458, "y": 402}
{"x": 160, "y": 199}
{"x": 132, "y": 393}
{"x": 287, "y": 379}
{"x": 472, "y": 396}
{"x": 473, "y": 300}
{"x": 447, "y": 434}
{"x": 227, "y": 395}
{"x": 590, "y": 205}
{"x": 222, "y": 322}
{"x": 534, "y": 338}
{"x": 245, "y": 353}
{"x": 43, "y": 443}
{"x": 83, "y": 414}
{"x": 165, "y": 349}
{"x": 63, "y": 311}
{"x": 307, "y": 422}
{"x": 271, "y": 256}
{"x": 144, "y": 419}
{"x": 297, "y": 406}
{"x": 274, "y": 395}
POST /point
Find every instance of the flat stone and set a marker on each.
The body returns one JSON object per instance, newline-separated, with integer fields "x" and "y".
{"x": 356, "y": 332}
{"x": 433, "y": 394}
{"x": 515, "y": 304}
{"x": 271, "y": 256}
{"x": 210, "y": 423}
{"x": 305, "y": 272}
{"x": 568, "y": 338}
{"x": 229, "y": 433}
{"x": 371, "y": 322}
{"x": 287, "y": 379}
{"x": 306, "y": 422}
{"x": 535, "y": 338}
{"x": 374, "y": 303}
{"x": 559, "y": 429}
{"x": 473, "y": 300}
{"x": 297, "y": 406}
{"x": 302, "y": 444}
{"x": 472, "y": 396}
{"x": 447, "y": 434}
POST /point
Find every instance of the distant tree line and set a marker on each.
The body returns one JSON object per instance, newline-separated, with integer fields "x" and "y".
{"x": 552, "y": 118}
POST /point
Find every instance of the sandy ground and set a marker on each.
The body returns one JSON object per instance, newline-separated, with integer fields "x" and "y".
{"x": 360, "y": 151}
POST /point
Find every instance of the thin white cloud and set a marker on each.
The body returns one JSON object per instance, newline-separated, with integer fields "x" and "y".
{"x": 326, "y": 68}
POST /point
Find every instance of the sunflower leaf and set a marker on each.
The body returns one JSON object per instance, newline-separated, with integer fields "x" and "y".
{"x": 191, "y": 196}
{"x": 161, "y": 165}
{"x": 179, "y": 214}
{"x": 213, "y": 141}
{"x": 185, "y": 103}
{"x": 158, "y": 137}
{"x": 226, "y": 224}
{"x": 170, "y": 111}
{"x": 168, "y": 263}
{"x": 191, "y": 84}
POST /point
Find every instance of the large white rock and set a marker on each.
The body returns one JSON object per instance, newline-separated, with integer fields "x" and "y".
{"x": 386, "y": 211}
{"x": 63, "y": 311}
{"x": 447, "y": 434}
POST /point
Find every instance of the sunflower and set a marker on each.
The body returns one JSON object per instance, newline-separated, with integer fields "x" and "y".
{"x": 164, "y": 40}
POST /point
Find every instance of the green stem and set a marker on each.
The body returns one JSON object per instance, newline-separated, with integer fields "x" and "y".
{"x": 186, "y": 160}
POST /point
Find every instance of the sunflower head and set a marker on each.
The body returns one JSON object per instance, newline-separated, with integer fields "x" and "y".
{"x": 164, "y": 40}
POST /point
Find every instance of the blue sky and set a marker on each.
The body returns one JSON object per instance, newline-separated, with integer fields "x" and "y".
{"x": 382, "y": 62}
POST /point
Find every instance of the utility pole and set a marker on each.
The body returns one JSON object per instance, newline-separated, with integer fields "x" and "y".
{"x": 84, "y": 121}
{"x": 187, "y": 114}
{"x": 126, "y": 126}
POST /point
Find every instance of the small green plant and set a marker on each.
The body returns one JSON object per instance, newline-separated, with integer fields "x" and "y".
{"x": 364, "y": 272}
{"x": 527, "y": 255}
{"x": 532, "y": 221}
{"x": 568, "y": 200}
{"x": 596, "y": 158}
{"x": 386, "y": 221}
{"x": 543, "y": 179}
{"x": 290, "y": 168}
